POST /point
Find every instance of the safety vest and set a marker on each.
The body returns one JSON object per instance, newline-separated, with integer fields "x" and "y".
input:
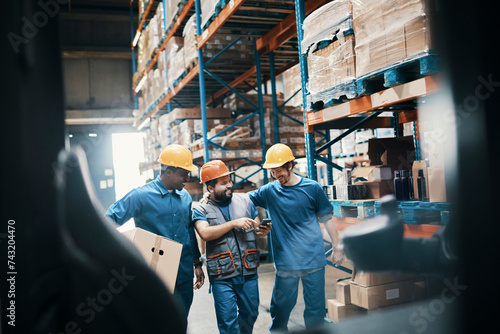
{"x": 235, "y": 253}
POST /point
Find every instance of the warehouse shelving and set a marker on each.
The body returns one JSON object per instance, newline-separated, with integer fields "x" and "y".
{"x": 272, "y": 29}
{"x": 395, "y": 93}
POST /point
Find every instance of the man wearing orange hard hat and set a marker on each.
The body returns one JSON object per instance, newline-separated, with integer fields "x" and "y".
{"x": 229, "y": 224}
{"x": 296, "y": 205}
{"x": 163, "y": 207}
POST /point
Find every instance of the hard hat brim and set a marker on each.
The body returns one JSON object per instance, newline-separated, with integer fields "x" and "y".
{"x": 275, "y": 165}
{"x": 225, "y": 174}
{"x": 191, "y": 168}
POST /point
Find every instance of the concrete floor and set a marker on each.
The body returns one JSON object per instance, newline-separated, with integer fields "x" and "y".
{"x": 202, "y": 315}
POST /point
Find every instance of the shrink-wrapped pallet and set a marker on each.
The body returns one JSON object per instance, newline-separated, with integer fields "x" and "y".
{"x": 332, "y": 66}
{"x": 175, "y": 60}
{"x": 172, "y": 8}
{"x": 389, "y": 32}
{"x": 290, "y": 131}
{"x": 190, "y": 42}
{"x": 160, "y": 22}
{"x": 234, "y": 102}
{"x": 326, "y": 23}
{"x": 293, "y": 84}
{"x": 207, "y": 10}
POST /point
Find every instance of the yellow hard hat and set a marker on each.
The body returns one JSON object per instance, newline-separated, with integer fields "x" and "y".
{"x": 278, "y": 155}
{"x": 177, "y": 156}
{"x": 213, "y": 170}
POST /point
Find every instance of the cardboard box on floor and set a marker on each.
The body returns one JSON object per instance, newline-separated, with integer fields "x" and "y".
{"x": 342, "y": 291}
{"x": 162, "y": 254}
{"x": 338, "y": 310}
{"x": 367, "y": 279}
{"x": 373, "y": 297}
{"x": 371, "y": 290}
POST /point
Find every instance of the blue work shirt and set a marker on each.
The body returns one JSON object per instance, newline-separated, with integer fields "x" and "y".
{"x": 296, "y": 235}
{"x": 159, "y": 211}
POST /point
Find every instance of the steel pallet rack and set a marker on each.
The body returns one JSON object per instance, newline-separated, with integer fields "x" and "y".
{"x": 362, "y": 111}
{"x": 272, "y": 28}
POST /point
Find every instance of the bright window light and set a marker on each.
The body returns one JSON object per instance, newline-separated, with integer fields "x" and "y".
{"x": 128, "y": 152}
{"x": 92, "y": 134}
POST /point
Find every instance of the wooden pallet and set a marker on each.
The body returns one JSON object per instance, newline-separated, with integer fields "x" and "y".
{"x": 331, "y": 96}
{"x": 360, "y": 209}
{"x": 192, "y": 64}
{"x": 416, "y": 213}
{"x": 399, "y": 73}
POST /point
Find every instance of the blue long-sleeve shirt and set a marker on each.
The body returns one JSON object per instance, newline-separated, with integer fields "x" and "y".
{"x": 165, "y": 213}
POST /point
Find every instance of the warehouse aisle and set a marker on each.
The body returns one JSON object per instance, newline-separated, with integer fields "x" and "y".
{"x": 202, "y": 316}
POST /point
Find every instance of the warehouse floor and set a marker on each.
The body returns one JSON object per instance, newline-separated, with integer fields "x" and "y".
{"x": 202, "y": 315}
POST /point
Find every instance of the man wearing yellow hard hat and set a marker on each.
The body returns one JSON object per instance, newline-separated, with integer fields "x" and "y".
{"x": 296, "y": 206}
{"x": 163, "y": 207}
{"x": 229, "y": 224}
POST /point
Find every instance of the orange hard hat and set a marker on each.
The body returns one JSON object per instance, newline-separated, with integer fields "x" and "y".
{"x": 213, "y": 170}
{"x": 278, "y": 155}
{"x": 177, "y": 156}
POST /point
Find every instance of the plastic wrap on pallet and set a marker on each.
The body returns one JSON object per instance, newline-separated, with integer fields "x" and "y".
{"x": 238, "y": 54}
{"x": 207, "y": 10}
{"x": 325, "y": 23}
{"x": 389, "y": 32}
{"x": 331, "y": 66}
{"x": 234, "y": 102}
{"x": 172, "y": 8}
{"x": 159, "y": 21}
{"x": 175, "y": 60}
{"x": 190, "y": 42}
{"x": 293, "y": 83}
{"x": 288, "y": 129}
{"x": 141, "y": 61}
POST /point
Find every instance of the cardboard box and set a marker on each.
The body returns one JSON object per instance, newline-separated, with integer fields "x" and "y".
{"x": 338, "y": 310}
{"x": 162, "y": 254}
{"x": 417, "y": 36}
{"x": 373, "y": 173}
{"x": 398, "y": 153}
{"x": 378, "y": 189}
{"x": 185, "y": 113}
{"x": 377, "y": 278}
{"x": 350, "y": 191}
{"x": 342, "y": 291}
{"x": 373, "y": 297}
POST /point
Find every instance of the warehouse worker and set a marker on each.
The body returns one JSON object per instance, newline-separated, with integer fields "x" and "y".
{"x": 229, "y": 224}
{"x": 163, "y": 207}
{"x": 296, "y": 205}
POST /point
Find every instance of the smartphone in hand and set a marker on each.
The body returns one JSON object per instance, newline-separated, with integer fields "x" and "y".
{"x": 265, "y": 222}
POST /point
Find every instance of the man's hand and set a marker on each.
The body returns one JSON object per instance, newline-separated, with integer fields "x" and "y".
{"x": 205, "y": 198}
{"x": 244, "y": 223}
{"x": 200, "y": 278}
{"x": 263, "y": 230}
{"x": 337, "y": 256}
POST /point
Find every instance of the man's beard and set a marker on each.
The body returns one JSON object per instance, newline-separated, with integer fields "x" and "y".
{"x": 222, "y": 197}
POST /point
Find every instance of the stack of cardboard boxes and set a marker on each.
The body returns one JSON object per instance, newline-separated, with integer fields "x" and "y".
{"x": 292, "y": 84}
{"x": 332, "y": 65}
{"x": 365, "y": 292}
{"x": 389, "y": 32}
{"x": 344, "y": 40}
